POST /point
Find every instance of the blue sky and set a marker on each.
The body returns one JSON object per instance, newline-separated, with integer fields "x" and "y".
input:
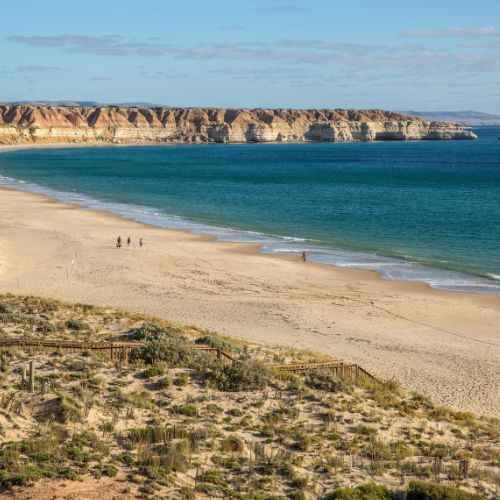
{"x": 389, "y": 54}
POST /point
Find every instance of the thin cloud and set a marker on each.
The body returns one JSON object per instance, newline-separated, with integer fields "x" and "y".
{"x": 410, "y": 59}
{"x": 454, "y": 31}
{"x": 233, "y": 28}
{"x": 36, "y": 69}
{"x": 256, "y": 71}
{"x": 102, "y": 45}
{"x": 331, "y": 46}
{"x": 480, "y": 45}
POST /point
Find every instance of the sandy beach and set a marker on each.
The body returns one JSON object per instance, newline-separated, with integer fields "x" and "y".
{"x": 443, "y": 344}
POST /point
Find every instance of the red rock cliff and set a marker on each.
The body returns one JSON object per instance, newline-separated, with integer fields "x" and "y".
{"x": 22, "y": 124}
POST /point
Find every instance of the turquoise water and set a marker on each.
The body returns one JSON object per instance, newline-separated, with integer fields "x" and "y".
{"x": 425, "y": 211}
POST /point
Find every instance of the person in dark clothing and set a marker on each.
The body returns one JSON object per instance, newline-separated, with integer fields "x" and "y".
{"x": 304, "y": 255}
{"x": 128, "y": 241}
{"x": 119, "y": 242}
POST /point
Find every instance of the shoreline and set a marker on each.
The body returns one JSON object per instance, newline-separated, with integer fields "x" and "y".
{"x": 387, "y": 266}
{"x": 443, "y": 344}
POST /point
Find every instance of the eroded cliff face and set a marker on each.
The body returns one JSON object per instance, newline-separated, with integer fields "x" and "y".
{"x": 24, "y": 124}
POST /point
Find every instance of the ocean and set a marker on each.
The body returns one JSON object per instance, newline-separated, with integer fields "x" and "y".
{"x": 424, "y": 211}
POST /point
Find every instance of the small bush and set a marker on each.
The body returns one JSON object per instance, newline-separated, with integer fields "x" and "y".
{"x": 5, "y": 309}
{"x": 366, "y": 491}
{"x": 170, "y": 351}
{"x": 164, "y": 383}
{"x": 182, "y": 380}
{"x": 364, "y": 430}
{"x": 420, "y": 490}
{"x": 324, "y": 380}
{"x": 300, "y": 483}
{"x": 134, "y": 479}
{"x": 110, "y": 471}
{"x": 76, "y": 324}
{"x": 154, "y": 371}
{"x": 238, "y": 376}
{"x": 189, "y": 410}
{"x": 219, "y": 343}
{"x": 233, "y": 443}
{"x": 151, "y": 331}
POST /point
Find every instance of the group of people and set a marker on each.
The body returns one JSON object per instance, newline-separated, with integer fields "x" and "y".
{"x": 119, "y": 242}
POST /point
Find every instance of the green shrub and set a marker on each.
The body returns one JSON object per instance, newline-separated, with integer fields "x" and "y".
{"x": 151, "y": 331}
{"x": 219, "y": 343}
{"x": 297, "y": 495}
{"x": 366, "y": 491}
{"x": 107, "y": 427}
{"x": 133, "y": 478}
{"x": 164, "y": 383}
{"x": 189, "y": 410}
{"x": 5, "y": 309}
{"x": 71, "y": 409}
{"x": 364, "y": 430}
{"x": 110, "y": 471}
{"x": 76, "y": 324}
{"x": 238, "y": 376}
{"x": 300, "y": 483}
{"x": 215, "y": 409}
{"x": 126, "y": 458}
{"x": 324, "y": 380}
{"x": 154, "y": 371}
{"x": 170, "y": 351}
{"x": 420, "y": 490}
{"x": 181, "y": 380}
{"x": 304, "y": 442}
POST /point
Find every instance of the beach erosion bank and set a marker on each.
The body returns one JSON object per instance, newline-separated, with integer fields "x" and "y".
{"x": 442, "y": 344}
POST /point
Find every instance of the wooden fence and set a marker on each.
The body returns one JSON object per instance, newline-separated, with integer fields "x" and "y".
{"x": 112, "y": 350}
{"x": 120, "y": 351}
{"x": 339, "y": 368}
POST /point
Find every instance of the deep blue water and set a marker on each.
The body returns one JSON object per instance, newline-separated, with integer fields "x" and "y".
{"x": 427, "y": 211}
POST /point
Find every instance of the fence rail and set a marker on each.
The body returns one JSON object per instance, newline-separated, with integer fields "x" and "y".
{"x": 113, "y": 350}
{"x": 338, "y": 367}
{"x": 121, "y": 351}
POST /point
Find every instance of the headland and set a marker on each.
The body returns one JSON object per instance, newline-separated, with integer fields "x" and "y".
{"x": 29, "y": 124}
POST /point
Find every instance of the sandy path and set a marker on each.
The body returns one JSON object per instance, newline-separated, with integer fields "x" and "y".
{"x": 444, "y": 344}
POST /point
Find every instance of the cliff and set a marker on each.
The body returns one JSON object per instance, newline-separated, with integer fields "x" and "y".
{"x": 24, "y": 124}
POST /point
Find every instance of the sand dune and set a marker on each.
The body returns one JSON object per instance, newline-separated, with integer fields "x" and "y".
{"x": 444, "y": 344}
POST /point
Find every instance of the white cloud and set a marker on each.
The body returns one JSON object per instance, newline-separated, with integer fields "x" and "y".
{"x": 480, "y": 45}
{"x": 454, "y": 31}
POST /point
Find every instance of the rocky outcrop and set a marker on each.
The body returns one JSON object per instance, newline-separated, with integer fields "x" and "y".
{"x": 24, "y": 124}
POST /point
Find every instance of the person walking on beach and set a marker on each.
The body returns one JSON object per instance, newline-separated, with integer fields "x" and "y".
{"x": 119, "y": 242}
{"x": 128, "y": 241}
{"x": 141, "y": 242}
{"x": 304, "y": 256}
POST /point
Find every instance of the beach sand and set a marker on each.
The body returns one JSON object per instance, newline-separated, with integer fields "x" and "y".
{"x": 443, "y": 344}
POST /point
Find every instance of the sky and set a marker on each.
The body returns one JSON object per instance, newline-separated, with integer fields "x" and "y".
{"x": 439, "y": 55}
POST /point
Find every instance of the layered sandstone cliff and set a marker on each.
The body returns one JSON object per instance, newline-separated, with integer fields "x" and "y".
{"x": 24, "y": 124}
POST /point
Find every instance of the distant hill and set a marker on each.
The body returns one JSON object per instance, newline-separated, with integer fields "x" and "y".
{"x": 87, "y": 104}
{"x": 470, "y": 118}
